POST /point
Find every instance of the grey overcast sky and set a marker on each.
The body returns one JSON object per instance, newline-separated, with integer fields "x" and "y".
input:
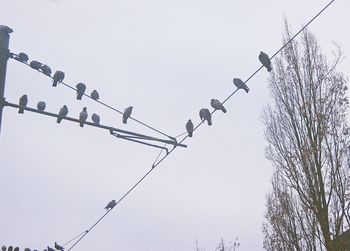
{"x": 167, "y": 59}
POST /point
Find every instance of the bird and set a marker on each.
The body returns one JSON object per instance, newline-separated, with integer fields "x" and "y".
{"x": 36, "y": 65}
{"x": 127, "y": 113}
{"x": 189, "y": 128}
{"x": 240, "y": 84}
{"x": 95, "y": 118}
{"x": 62, "y": 113}
{"x": 217, "y": 105}
{"x": 16, "y": 249}
{"x": 23, "y": 57}
{"x": 23, "y": 101}
{"x": 46, "y": 70}
{"x": 57, "y": 77}
{"x": 58, "y": 247}
{"x": 265, "y": 60}
{"x": 3, "y": 248}
{"x": 41, "y": 105}
{"x": 10, "y": 248}
{"x": 204, "y": 114}
{"x": 80, "y": 90}
{"x": 27, "y": 249}
{"x": 111, "y": 205}
{"x": 94, "y": 95}
{"x": 83, "y": 116}
{"x": 50, "y": 249}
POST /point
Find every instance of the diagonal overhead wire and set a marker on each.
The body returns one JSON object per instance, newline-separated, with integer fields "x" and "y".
{"x": 103, "y": 103}
{"x": 163, "y": 158}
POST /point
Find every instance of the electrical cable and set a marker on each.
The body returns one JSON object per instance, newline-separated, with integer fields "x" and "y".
{"x": 162, "y": 159}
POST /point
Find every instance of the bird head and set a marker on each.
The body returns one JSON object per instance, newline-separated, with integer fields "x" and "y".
{"x": 84, "y": 109}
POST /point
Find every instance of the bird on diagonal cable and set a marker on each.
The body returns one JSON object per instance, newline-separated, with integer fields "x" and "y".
{"x": 205, "y": 114}
{"x": 111, "y": 205}
{"x": 217, "y": 105}
{"x": 265, "y": 60}
{"x": 62, "y": 113}
{"x": 189, "y": 128}
{"x": 127, "y": 114}
{"x": 240, "y": 84}
{"x": 57, "y": 78}
{"x": 23, "y": 101}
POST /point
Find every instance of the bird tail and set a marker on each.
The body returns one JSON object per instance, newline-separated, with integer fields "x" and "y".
{"x": 79, "y": 96}
{"x": 190, "y": 134}
{"x": 81, "y": 124}
{"x": 54, "y": 83}
{"x": 125, "y": 120}
{"x": 21, "y": 110}
{"x": 59, "y": 120}
{"x": 209, "y": 122}
{"x": 223, "y": 109}
{"x": 246, "y": 88}
{"x": 269, "y": 68}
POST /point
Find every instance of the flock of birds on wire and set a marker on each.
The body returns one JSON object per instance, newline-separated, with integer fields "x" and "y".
{"x": 58, "y": 77}
{"x": 204, "y": 113}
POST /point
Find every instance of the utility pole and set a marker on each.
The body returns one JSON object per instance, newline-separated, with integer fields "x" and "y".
{"x": 4, "y": 55}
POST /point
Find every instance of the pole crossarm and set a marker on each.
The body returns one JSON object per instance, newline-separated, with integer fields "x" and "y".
{"x": 119, "y": 133}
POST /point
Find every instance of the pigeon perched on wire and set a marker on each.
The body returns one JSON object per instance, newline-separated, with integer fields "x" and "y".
{"x": 10, "y": 248}
{"x": 189, "y": 128}
{"x": 111, "y": 205}
{"x": 27, "y": 249}
{"x": 217, "y": 105}
{"x": 58, "y": 247}
{"x": 240, "y": 84}
{"x": 50, "y": 249}
{"x": 23, "y": 57}
{"x": 57, "y": 77}
{"x": 95, "y": 118}
{"x": 83, "y": 116}
{"x": 36, "y": 65}
{"x": 205, "y": 114}
{"x": 46, "y": 70}
{"x": 16, "y": 249}
{"x": 62, "y": 113}
{"x": 23, "y": 101}
{"x": 265, "y": 60}
{"x": 94, "y": 95}
{"x": 127, "y": 114}
{"x": 41, "y": 106}
{"x": 80, "y": 90}
{"x": 3, "y": 248}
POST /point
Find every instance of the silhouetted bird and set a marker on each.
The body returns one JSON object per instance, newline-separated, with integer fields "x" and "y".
{"x": 23, "y": 57}
{"x": 80, "y": 90}
{"x": 27, "y": 249}
{"x": 83, "y": 116}
{"x": 50, "y": 249}
{"x": 189, "y": 128}
{"x": 240, "y": 84}
{"x": 23, "y": 101}
{"x": 16, "y": 249}
{"x": 41, "y": 105}
{"x": 127, "y": 114}
{"x": 216, "y": 104}
{"x": 58, "y": 247}
{"x": 62, "y": 113}
{"x": 10, "y": 248}
{"x": 3, "y": 248}
{"x": 265, "y": 60}
{"x": 204, "y": 114}
{"x": 46, "y": 70}
{"x": 94, "y": 95}
{"x": 95, "y": 118}
{"x": 111, "y": 204}
{"x": 36, "y": 65}
{"x": 57, "y": 77}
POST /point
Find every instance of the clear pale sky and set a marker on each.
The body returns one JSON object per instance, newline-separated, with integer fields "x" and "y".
{"x": 167, "y": 59}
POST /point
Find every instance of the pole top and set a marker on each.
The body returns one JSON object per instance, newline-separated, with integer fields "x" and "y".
{"x": 6, "y": 29}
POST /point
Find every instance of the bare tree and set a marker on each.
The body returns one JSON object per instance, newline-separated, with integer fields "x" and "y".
{"x": 307, "y": 136}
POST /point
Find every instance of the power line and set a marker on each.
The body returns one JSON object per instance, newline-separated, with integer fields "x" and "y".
{"x": 168, "y": 153}
{"x": 100, "y": 102}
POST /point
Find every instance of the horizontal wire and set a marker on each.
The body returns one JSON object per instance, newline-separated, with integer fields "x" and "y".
{"x": 102, "y": 103}
{"x": 202, "y": 122}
